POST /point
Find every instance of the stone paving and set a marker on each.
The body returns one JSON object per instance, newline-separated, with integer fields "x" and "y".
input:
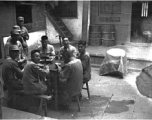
{"x": 111, "y": 98}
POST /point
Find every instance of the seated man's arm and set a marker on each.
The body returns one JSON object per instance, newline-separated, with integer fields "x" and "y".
{"x": 18, "y": 71}
{"x": 85, "y": 62}
{"x": 75, "y": 52}
{"x": 25, "y": 34}
{"x": 86, "y": 67}
{"x": 65, "y": 73}
{"x": 24, "y": 44}
{"x": 1, "y": 88}
{"x": 40, "y": 71}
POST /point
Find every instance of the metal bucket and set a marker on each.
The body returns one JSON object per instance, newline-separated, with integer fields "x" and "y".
{"x": 95, "y": 35}
{"x": 95, "y": 41}
{"x": 108, "y": 35}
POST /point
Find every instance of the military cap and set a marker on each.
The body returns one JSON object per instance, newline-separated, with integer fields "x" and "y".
{"x": 20, "y": 18}
{"x": 15, "y": 32}
{"x": 16, "y": 27}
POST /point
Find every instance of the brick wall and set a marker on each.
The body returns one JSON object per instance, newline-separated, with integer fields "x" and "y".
{"x": 38, "y": 16}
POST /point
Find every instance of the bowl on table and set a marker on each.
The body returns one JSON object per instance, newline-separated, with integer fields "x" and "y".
{"x": 47, "y": 59}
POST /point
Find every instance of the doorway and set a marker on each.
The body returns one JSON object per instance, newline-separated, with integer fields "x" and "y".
{"x": 141, "y": 23}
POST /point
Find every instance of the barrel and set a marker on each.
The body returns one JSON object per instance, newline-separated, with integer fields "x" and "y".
{"x": 108, "y": 35}
{"x": 95, "y": 35}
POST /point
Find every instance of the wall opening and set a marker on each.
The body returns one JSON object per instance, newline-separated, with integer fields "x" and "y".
{"x": 141, "y": 30}
{"x": 26, "y": 12}
{"x": 67, "y": 9}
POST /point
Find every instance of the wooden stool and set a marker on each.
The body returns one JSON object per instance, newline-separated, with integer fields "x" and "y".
{"x": 43, "y": 103}
{"x": 77, "y": 100}
{"x": 43, "y": 100}
{"x": 87, "y": 88}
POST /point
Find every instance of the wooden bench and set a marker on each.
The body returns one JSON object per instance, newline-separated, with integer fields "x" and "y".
{"x": 43, "y": 100}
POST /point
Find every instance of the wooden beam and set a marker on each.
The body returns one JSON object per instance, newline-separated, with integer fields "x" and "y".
{"x": 85, "y": 21}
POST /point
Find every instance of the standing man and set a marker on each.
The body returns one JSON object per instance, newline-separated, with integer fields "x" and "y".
{"x": 71, "y": 79}
{"x": 24, "y": 34}
{"x": 46, "y": 49}
{"x": 86, "y": 61}
{"x": 66, "y": 46}
{"x": 13, "y": 40}
{"x": 32, "y": 75}
{"x": 11, "y": 71}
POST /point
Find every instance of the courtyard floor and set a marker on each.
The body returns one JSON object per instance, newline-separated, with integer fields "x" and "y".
{"x": 111, "y": 98}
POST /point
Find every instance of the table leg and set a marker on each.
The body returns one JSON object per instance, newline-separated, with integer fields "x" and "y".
{"x": 56, "y": 92}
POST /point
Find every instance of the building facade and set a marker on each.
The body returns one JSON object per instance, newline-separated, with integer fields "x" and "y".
{"x": 104, "y": 23}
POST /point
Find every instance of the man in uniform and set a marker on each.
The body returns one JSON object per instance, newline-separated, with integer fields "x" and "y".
{"x": 32, "y": 82}
{"x": 13, "y": 40}
{"x": 24, "y": 34}
{"x": 71, "y": 81}
{"x": 66, "y": 46}
{"x": 11, "y": 73}
{"x": 46, "y": 49}
{"x": 86, "y": 61}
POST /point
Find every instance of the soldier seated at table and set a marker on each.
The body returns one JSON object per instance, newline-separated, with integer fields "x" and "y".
{"x": 33, "y": 72}
{"x": 67, "y": 46}
{"x": 46, "y": 50}
{"x": 71, "y": 79}
{"x": 86, "y": 61}
{"x": 11, "y": 71}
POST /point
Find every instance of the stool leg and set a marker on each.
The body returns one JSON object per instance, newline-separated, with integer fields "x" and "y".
{"x": 45, "y": 107}
{"x": 69, "y": 102}
{"x": 88, "y": 90}
{"x": 78, "y": 102}
{"x": 40, "y": 107}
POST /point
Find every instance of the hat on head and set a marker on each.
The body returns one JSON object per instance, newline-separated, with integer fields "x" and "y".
{"x": 13, "y": 47}
{"x": 15, "y": 32}
{"x": 20, "y": 18}
{"x": 16, "y": 27}
{"x": 65, "y": 38}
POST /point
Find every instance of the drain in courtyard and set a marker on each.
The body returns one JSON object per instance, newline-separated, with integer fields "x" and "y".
{"x": 118, "y": 106}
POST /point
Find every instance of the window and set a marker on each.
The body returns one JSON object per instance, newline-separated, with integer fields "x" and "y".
{"x": 25, "y": 11}
{"x": 67, "y": 9}
{"x": 109, "y": 7}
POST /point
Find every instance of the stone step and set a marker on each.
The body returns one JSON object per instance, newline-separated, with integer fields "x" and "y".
{"x": 138, "y": 64}
{"x": 129, "y": 68}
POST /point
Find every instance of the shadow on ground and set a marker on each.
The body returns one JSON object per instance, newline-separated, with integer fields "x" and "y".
{"x": 115, "y": 107}
{"x": 96, "y": 106}
{"x": 89, "y": 108}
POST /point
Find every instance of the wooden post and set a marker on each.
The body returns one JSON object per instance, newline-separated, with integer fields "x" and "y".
{"x": 85, "y": 21}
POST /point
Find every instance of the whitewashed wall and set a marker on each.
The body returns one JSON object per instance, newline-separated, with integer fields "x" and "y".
{"x": 74, "y": 25}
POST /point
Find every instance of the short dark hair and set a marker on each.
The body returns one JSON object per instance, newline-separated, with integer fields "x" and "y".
{"x": 82, "y": 42}
{"x": 34, "y": 51}
{"x": 44, "y": 37}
